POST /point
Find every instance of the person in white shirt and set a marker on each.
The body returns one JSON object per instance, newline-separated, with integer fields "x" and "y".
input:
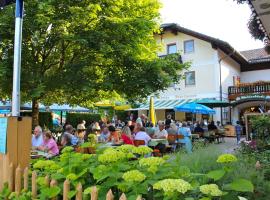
{"x": 160, "y": 132}
{"x": 141, "y": 134}
{"x": 37, "y": 138}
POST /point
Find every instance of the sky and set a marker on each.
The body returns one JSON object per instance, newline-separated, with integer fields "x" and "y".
{"x": 223, "y": 19}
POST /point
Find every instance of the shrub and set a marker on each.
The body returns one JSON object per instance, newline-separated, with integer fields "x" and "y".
{"x": 44, "y": 118}
{"x": 75, "y": 118}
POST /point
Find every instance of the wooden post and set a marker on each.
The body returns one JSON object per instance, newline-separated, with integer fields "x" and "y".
{"x": 52, "y": 184}
{"x": 18, "y": 147}
{"x": 79, "y": 192}
{"x": 94, "y": 193}
{"x": 11, "y": 177}
{"x": 47, "y": 180}
{"x": 25, "y": 179}
{"x": 18, "y": 180}
{"x": 34, "y": 184}
{"x": 109, "y": 195}
{"x": 139, "y": 198}
{"x": 66, "y": 189}
{"x": 123, "y": 197}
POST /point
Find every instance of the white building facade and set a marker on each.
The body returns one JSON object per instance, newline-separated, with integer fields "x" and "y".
{"x": 216, "y": 68}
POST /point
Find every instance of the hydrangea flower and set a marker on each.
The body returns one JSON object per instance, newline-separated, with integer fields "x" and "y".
{"x": 170, "y": 186}
{"x": 211, "y": 189}
{"x": 111, "y": 155}
{"x": 126, "y": 148}
{"x": 142, "y": 150}
{"x": 133, "y": 176}
{"x": 71, "y": 176}
{"x": 46, "y": 165}
{"x": 67, "y": 149}
{"x": 151, "y": 161}
{"x": 86, "y": 156}
{"x": 226, "y": 158}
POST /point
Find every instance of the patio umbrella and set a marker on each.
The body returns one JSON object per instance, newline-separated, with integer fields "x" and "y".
{"x": 152, "y": 113}
{"x": 194, "y": 108}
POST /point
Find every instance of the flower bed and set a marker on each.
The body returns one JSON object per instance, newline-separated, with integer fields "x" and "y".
{"x": 130, "y": 170}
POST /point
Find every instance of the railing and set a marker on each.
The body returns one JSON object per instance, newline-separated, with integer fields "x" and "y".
{"x": 249, "y": 89}
{"x": 19, "y": 180}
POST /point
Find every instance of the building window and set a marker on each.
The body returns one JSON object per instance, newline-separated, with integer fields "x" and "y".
{"x": 171, "y": 48}
{"x": 190, "y": 78}
{"x": 189, "y": 46}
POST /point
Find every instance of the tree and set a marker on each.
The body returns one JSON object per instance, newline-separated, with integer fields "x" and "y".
{"x": 80, "y": 52}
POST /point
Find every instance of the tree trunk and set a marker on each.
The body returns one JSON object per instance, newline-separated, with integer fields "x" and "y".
{"x": 35, "y": 112}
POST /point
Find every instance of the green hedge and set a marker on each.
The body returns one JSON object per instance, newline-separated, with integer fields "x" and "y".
{"x": 75, "y": 118}
{"x": 45, "y": 118}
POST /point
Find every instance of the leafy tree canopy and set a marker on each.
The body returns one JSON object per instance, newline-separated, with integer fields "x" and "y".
{"x": 80, "y": 52}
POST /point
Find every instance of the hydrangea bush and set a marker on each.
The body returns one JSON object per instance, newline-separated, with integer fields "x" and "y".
{"x": 132, "y": 170}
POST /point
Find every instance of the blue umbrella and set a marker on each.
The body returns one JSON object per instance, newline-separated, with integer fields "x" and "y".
{"x": 194, "y": 108}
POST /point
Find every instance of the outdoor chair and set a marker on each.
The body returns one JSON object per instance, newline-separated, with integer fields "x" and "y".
{"x": 172, "y": 143}
{"x": 179, "y": 144}
{"x": 139, "y": 143}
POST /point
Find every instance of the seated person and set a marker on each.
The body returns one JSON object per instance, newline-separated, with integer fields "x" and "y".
{"x": 150, "y": 130}
{"x": 199, "y": 130}
{"x": 49, "y": 145}
{"x": 141, "y": 134}
{"x": 160, "y": 132}
{"x": 114, "y": 137}
{"x": 104, "y": 135}
{"x": 37, "y": 138}
{"x": 80, "y": 133}
{"x": 172, "y": 130}
{"x": 70, "y": 132}
{"x": 126, "y": 135}
{"x": 65, "y": 142}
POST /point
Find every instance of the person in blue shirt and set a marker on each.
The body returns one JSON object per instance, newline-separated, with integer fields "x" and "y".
{"x": 238, "y": 131}
{"x": 185, "y": 131}
{"x": 69, "y": 132}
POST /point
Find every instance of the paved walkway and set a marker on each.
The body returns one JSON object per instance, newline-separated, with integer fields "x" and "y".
{"x": 230, "y": 145}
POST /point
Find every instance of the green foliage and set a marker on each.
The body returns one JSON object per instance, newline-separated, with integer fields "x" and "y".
{"x": 242, "y": 185}
{"x": 75, "y": 118}
{"x": 80, "y": 52}
{"x": 45, "y": 119}
{"x": 127, "y": 169}
{"x": 261, "y": 124}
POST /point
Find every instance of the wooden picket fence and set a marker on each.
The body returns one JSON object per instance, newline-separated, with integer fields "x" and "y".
{"x": 20, "y": 180}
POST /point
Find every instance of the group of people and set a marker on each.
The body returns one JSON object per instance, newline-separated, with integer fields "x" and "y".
{"x": 122, "y": 133}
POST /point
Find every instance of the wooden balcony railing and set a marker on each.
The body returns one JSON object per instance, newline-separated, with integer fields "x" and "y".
{"x": 249, "y": 89}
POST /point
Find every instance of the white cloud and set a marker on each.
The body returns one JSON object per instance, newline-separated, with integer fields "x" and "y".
{"x": 223, "y": 19}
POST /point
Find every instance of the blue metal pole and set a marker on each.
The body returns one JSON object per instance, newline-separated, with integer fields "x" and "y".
{"x": 17, "y": 59}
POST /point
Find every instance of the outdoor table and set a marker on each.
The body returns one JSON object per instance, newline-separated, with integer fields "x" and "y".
{"x": 37, "y": 154}
{"x": 155, "y": 142}
{"x": 108, "y": 144}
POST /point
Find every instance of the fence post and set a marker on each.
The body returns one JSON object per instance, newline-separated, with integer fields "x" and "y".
{"x": 11, "y": 177}
{"x": 94, "y": 193}
{"x": 25, "y": 179}
{"x": 66, "y": 189}
{"x": 139, "y": 198}
{"x": 109, "y": 195}
{"x": 79, "y": 192}
{"x": 52, "y": 184}
{"x": 18, "y": 180}
{"x": 123, "y": 197}
{"x": 34, "y": 184}
{"x": 47, "y": 180}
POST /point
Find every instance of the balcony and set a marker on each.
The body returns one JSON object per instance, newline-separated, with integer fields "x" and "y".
{"x": 246, "y": 89}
